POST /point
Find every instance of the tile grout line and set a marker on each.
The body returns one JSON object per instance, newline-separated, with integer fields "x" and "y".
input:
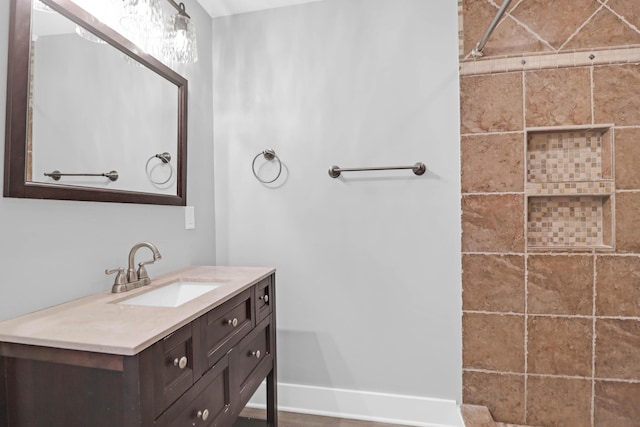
{"x": 524, "y": 193}
{"x": 556, "y": 253}
{"x": 511, "y": 132}
{"x": 496, "y": 193}
{"x": 526, "y": 250}
{"x": 568, "y": 377}
{"x": 592, "y": 84}
{"x": 526, "y": 28}
{"x": 584, "y": 24}
{"x": 593, "y": 341}
{"x": 622, "y": 18}
{"x": 558, "y": 316}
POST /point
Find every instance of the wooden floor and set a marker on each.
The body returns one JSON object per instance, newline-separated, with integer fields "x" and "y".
{"x": 256, "y": 417}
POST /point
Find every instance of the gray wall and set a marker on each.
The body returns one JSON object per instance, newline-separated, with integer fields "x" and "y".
{"x": 55, "y": 251}
{"x": 369, "y": 265}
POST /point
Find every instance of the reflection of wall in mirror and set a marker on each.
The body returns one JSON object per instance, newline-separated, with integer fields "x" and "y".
{"x": 94, "y": 111}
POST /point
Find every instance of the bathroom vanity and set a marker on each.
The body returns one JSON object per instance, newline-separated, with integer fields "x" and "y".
{"x": 106, "y": 361}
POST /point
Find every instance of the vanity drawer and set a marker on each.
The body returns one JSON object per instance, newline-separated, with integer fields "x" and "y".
{"x": 254, "y": 354}
{"x": 177, "y": 363}
{"x": 263, "y": 299}
{"x": 226, "y": 325}
{"x": 207, "y": 403}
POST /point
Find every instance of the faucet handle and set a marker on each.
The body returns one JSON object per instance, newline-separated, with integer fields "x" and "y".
{"x": 142, "y": 271}
{"x": 120, "y": 279}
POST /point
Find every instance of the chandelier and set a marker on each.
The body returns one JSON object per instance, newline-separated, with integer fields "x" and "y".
{"x": 171, "y": 39}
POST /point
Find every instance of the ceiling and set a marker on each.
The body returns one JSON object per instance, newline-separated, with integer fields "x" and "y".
{"x": 217, "y": 8}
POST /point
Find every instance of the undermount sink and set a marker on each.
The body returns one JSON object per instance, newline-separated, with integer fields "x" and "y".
{"x": 172, "y": 295}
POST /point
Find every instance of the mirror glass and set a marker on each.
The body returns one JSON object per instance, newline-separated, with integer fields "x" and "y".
{"x": 104, "y": 121}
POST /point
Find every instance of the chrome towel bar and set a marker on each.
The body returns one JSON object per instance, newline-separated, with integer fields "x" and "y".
{"x": 56, "y": 175}
{"x": 419, "y": 169}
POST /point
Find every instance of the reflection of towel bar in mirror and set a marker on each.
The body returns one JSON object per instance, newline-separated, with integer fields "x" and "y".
{"x": 419, "y": 169}
{"x": 56, "y": 175}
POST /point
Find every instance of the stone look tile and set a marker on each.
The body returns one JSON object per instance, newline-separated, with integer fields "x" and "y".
{"x": 612, "y": 86}
{"x": 491, "y": 103}
{"x": 627, "y": 219}
{"x": 617, "y": 290}
{"x": 507, "y": 38}
{"x": 560, "y": 284}
{"x": 558, "y": 402}
{"x": 627, "y": 153}
{"x": 616, "y": 404}
{"x": 555, "y": 24}
{"x": 618, "y": 349}
{"x": 492, "y": 163}
{"x": 510, "y": 38}
{"x": 628, "y": 9}
{"x": 493, "y": 283}
{"x": 560, "y": 346}
{"x": 503, "y": 394}
{"x": 477, "y": 15}
{"x": 476, "y": 416}
{"x": 604, "y": 30}
{"x": 493, "y": 223}
{"x": 558, "y": 97}
{"x": 493, "y": 342}
{"x": 554, "y": 344}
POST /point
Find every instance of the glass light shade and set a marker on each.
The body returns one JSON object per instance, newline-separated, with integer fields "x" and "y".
{"x": 142, "y": 23}
{"x": 143, "y": 18}
{"x": 106, "y": 11}
{"x": 180, "y": 46}
{"x": 38, "y": 5}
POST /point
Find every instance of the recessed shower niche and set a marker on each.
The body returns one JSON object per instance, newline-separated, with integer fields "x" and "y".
{"x": 570, "y": 188}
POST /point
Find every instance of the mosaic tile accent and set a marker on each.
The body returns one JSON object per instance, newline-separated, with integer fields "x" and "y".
{"x": 565, "y": 221}
{"x": 570, "y": 188}
{"x": 564, "y": 156}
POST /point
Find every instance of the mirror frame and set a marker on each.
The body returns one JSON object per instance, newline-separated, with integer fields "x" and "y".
{"x": 15, "y": 183}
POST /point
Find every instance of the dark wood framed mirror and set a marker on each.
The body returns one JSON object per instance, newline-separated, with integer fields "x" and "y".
{"x": 18, "y": 180}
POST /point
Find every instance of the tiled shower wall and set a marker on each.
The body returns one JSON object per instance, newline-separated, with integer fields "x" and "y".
{"x": 550, "y": 338}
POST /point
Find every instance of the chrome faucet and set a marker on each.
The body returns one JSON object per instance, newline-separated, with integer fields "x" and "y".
{"x": 134, "y": 278}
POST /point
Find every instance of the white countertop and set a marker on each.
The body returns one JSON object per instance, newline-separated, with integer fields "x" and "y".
{"x": 98, "y": 323}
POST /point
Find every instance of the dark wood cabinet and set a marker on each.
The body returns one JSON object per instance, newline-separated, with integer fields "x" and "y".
{"x": 203, "y": 374}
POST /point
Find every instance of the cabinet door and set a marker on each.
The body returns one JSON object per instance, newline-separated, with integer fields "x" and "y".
{"x": 174, "y": 366}
{"x": 208, "y": 403}
{"x": 255, "y": 360}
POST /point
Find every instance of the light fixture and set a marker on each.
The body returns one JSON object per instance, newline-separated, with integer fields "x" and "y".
{"x": 143, "y": 23}
{"x": 171, "y": 40}
{"x": 107, "y": 11}
{"x": 180, "y": 44}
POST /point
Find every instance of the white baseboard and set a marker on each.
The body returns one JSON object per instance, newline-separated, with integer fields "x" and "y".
{"x": 362, "y": 405}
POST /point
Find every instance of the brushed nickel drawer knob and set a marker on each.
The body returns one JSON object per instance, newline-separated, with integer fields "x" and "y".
{"x": 180, "y": 363}
{"x": 256, "y": 354}
{"x": 233, "y": 322}
{"x": 203, "y": 415}
{"x": 265, "y": 298}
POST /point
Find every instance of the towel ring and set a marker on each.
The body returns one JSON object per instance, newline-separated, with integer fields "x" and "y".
{"x": 268, "y": 155}
{"x": 165, "y": 158}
